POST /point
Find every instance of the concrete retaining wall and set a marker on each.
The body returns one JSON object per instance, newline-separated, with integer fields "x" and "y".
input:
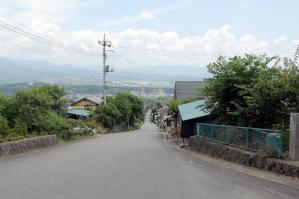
{"x": 244, "y": 157}
{"x": 26, "y": 145}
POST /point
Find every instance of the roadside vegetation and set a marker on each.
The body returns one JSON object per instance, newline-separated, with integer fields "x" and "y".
{"x": 41, "y": 110}
{"x": 254, "y": 91}
{"x": 38, "y": 111}
{"x": 123, "y": 108}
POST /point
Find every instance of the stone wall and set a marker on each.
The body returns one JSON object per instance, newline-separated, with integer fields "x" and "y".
{"x": 244, "y": 157}
{"x": 26, "y": 145}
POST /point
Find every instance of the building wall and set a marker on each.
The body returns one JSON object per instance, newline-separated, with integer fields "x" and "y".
{"x": 187, "y": 89}
{"x": 84, "y": 104}
{"x": 187, "y": 128}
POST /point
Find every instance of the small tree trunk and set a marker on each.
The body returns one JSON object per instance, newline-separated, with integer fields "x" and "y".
{"x": 128, "y": 121}
{"x": 175, "y": 120}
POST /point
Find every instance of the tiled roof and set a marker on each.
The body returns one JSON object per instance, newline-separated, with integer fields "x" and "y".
{"x": 82, "y": 99}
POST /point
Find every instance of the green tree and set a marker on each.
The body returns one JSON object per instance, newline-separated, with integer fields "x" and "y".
{"x": 173, "y": 107}
{"x": 35, "y": 111}
{"x": 158, "y": 104}
{"x": 137, "y": 108}
{"x": 130, "y": 107}
{"x": 34, "y": 104}
{"x": 4, "y": 129}
{"x": 123, "y": 104}
{"x": 8, "y": 109}
{"x": 52, "y": 123}
{"x": 56, "y": 93}
{"x": 252, "y": 90}
{"x": 20, "y": 128}
{"x": 107, "y": 115}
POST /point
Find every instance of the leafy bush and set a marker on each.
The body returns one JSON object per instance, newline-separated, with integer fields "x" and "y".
{"x": 4, "y": 129}
{"x": 20, "y": 129}
{"x": 101, "y": 130}
{"x": 52, "y": 123}
{"x": 14, "y": 136}
{"x": 107, "y": 115}
{"x": 32, "y": 112}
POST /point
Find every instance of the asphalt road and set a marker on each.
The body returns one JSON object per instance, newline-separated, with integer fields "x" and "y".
{"x": 133, "y": 165}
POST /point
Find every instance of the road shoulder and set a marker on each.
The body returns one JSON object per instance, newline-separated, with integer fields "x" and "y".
{"x": 261, "y": 174}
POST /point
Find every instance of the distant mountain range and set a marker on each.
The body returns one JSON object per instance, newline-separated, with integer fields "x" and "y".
{"x": 20, "y": 71}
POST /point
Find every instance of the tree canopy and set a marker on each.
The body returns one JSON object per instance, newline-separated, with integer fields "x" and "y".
{"x": 38, "y": 110}
{"x": 123, "y": 107}
{"x": 108, "y": 115}
{"x": 257, "y": 91}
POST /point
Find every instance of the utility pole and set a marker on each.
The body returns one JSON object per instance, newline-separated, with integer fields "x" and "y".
{"x": 106, "y": 69}
{"x": 296, "y": 56}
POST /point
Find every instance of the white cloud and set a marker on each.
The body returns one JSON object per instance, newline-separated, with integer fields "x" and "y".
{"x": 145, "y": 47}
{"x": 147, "y": 15}
{"x": 296, "y": 42}
{"x": 280, "y": 39}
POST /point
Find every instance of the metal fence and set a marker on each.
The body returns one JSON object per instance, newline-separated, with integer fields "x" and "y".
{"x": 243, "y": 137}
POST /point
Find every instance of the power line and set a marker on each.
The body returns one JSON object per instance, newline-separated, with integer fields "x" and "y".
{"x": 44, "y": 40}
{"x": 17, "y": 30}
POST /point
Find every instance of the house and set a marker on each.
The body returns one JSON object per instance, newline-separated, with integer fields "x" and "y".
{"x": 78, "y": 113}
{"x": 187, "y": 89}
{"x": 190, "y": 114}
{"x": 84, "y": 103}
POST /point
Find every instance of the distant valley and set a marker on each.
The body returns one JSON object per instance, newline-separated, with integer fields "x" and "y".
{"x": 26, "y": 71}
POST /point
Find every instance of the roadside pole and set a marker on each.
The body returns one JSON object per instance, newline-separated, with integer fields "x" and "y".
{"x": 294, "y": 137}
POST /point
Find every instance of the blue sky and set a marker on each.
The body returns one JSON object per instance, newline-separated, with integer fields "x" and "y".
{"x": 206, "y": 26}
{"x": 266, "y": 19}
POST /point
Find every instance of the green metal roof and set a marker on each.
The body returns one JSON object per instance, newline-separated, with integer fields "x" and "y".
{"x": 192, "y": 110}
{"x": 79, "y": 112}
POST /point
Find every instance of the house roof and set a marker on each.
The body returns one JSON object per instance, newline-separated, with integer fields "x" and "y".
{"x": 187, "y": 89}
{"x": 86, "y": 99}
{"x": 192, "y": 110}
{"x": 79, "y": 112}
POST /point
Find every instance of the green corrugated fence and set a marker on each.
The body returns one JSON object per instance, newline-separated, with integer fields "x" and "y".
{"x": 243, "y": 137}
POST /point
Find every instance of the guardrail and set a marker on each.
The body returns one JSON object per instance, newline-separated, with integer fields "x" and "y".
{"x": 243, "y": 137}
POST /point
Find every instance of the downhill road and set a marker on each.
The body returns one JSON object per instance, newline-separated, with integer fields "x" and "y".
{"x": 133, "y": 165}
